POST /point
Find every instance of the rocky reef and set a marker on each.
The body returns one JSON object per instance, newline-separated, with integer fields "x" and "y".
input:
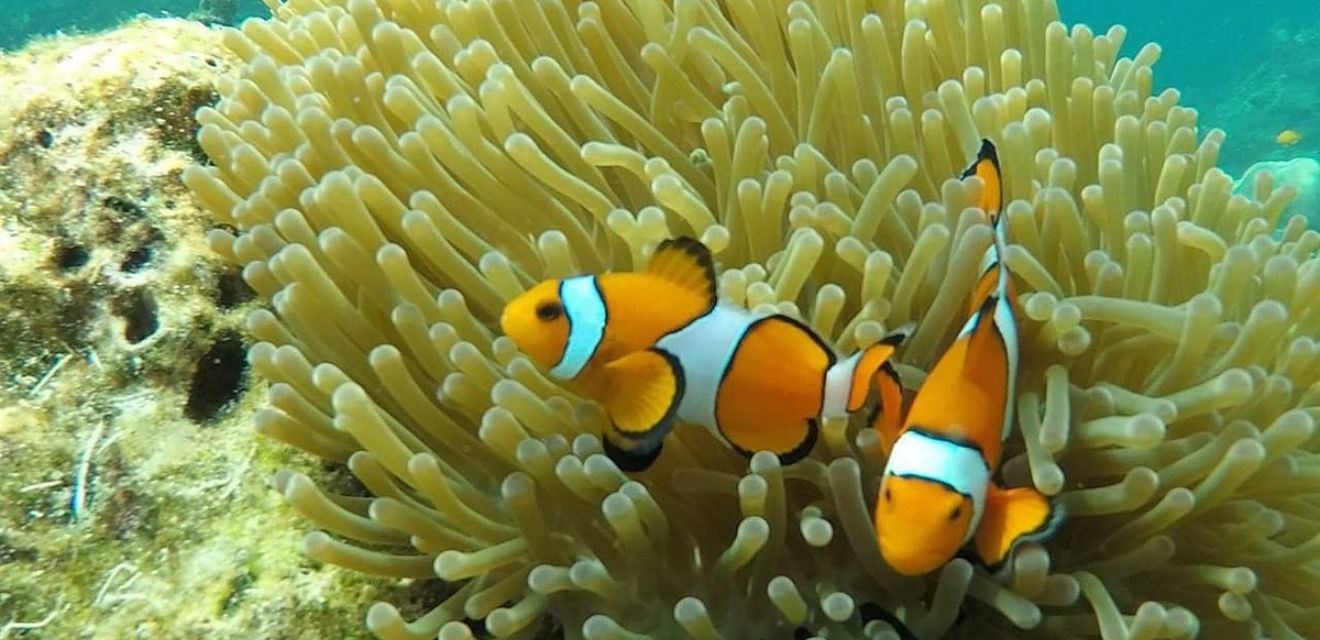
{"x": 135, "y": 495}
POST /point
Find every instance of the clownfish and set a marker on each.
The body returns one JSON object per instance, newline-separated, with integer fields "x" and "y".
{"x": 936, "y": 494}
{"x": 657, "y": 347}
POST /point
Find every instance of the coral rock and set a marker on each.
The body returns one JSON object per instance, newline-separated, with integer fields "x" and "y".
{"x": 131, "y": 502}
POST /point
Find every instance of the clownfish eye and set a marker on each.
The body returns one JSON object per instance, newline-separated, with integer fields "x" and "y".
{"x": 957, "y": 511}
{"x": 549, "y": 311}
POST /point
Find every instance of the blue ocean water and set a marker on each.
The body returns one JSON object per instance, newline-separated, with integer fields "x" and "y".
{"x": 1251, "y": 67}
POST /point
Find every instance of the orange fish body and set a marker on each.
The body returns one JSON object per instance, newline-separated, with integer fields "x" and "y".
{"x": 1288, "y": 137}
{"x": 657, "y": 347}
{"x": 937, "y": 493}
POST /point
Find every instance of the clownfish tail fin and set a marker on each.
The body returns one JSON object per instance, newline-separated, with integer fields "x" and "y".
{"x": 875, "y": 374}
{"x": 848, "y": 382}
{"x": 887, "y": 414}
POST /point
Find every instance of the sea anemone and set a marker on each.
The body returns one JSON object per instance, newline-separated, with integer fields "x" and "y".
{"x": 390, "y": 173}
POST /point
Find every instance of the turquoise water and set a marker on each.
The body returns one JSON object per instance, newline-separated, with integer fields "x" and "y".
{"x": 1251, "y": 67}
{"x": 20, "y": 20}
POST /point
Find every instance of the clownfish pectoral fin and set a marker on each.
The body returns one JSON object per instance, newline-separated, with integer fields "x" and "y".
{"x": 631, "y": 457}
{"x": 1013, "y": 516}
{"x": 686, "y": 263}
{"x": 643, "y": 391}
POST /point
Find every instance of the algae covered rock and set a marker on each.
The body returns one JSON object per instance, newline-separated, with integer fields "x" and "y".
{"x": 135, "y": 499}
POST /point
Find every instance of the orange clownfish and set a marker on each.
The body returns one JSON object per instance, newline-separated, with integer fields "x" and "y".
{"x": 936, "y": 494}
{"x": 657, "y": 347}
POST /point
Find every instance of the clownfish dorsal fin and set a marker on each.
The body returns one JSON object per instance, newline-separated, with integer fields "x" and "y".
{"x": 984, "y": 334}
{"x": 1013, "y": 516}
{"x": 687, "y": 263}
{"x": 643, "y": 391}
{"x": 986, "y": 167}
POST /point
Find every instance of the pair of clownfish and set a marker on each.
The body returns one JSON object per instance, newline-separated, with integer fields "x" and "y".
{"x": 657, "y": 347}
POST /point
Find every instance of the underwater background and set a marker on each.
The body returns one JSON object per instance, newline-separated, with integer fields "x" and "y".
{"x": 1251, "y": 67}
{"x": 137, "y": 501}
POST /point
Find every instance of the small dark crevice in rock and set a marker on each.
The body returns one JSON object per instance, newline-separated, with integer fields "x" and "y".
{"x": 138, "y": 310}
{"x": 218, "y": 378}
{"x": 137, "y": 258}
{"x": 124, "y": 206}
{"x": 238, "y": 588}
{"x": 146, "y": 238}
{"x": 231, "y": 290}
{"x": 70, "y": 256}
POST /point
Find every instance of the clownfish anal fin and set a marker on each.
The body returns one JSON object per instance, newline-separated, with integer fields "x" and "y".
{"x": 686, "y": 263}
{"x": 643, "y": 390}
{"x": 1013, "y": 516}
